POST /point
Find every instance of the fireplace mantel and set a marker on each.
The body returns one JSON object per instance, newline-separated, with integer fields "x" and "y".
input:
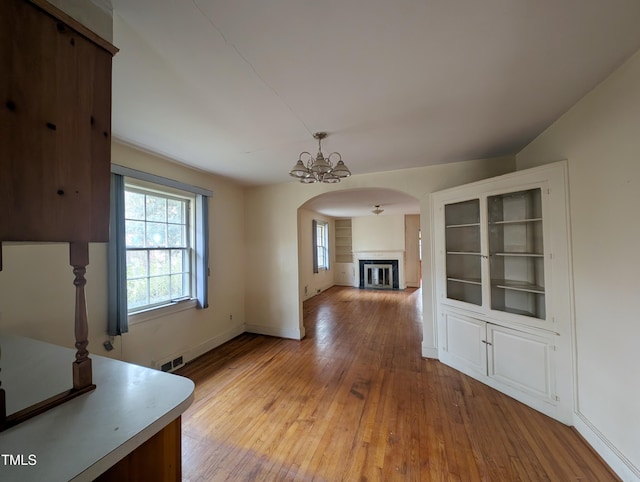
{"x": 377, "y": 255}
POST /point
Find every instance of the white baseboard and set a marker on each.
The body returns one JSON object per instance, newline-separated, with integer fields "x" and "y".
{"x": 611, "y": 455}
{"x": 429, "y": 352}
{"x": 293, "y": 334}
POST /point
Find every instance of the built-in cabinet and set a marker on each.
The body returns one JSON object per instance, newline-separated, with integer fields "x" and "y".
{"x": 502, "y": 282}
{"x": 518, "y": 362}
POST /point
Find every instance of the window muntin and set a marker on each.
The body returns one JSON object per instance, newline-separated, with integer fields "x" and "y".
{"x": 158, "y": 237}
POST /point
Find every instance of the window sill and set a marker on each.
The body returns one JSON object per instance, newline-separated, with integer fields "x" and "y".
{"x": 161, "y": 311}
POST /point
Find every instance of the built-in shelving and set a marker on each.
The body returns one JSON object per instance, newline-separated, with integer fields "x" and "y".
{"x": 344, "y": 242}
{"x": 516, "y": 249}
{"x": 501, "y": 237}
{"x": 463, "y": 251}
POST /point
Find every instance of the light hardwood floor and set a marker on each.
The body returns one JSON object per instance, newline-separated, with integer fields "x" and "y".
{"x": 355, "y": 401}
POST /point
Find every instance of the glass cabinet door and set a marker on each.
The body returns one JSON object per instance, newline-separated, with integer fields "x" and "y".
{"x": 463, "y": 254}
{"x": 516, "y": 253}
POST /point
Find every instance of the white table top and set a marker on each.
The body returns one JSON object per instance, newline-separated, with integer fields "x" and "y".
{"x": 81, "y": 438}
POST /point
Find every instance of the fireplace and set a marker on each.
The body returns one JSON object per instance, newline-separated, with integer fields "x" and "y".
{"x": 379, "y": 274}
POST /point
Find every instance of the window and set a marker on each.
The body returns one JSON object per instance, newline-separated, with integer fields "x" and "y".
{"x": 321, "y": 245}
{"x": 158, "y": 245}
{"x": 158, "y": 239}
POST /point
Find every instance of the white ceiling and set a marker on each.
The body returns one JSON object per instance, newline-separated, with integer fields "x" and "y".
{"x": 238, "y": 87}
{"x": 361, "y": 202}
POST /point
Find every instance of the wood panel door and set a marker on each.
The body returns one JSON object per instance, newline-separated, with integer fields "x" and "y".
{"x": 522, "y": 361}
{"x": 464, "y": 343}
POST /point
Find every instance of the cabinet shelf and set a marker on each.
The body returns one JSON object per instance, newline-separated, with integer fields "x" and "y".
{"x": 517, "y": 221}
{"x": 462, "y": 225}
{"x": 462, "y": 253}
{"x": 519, "y": 286}
{"x": 471, "y": 281}
{"x": 520, "y": 255}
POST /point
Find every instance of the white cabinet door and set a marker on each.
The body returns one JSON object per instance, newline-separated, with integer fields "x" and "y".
{"x": 521, "y": 360}
{"x": 463, "y": 344}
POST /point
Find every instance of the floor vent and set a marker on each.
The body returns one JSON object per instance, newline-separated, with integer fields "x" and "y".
{"x": 170, "y": 365}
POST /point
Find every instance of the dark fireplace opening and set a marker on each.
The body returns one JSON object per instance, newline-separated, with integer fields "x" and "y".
{"x": 379, "y": 274}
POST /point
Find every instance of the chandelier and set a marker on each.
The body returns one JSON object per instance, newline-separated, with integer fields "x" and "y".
{"x": 377, "y": 209}
{"x": 320, "y": 169}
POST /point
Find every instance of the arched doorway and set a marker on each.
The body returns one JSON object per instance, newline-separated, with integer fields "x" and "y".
{"x": 357, "y": 237}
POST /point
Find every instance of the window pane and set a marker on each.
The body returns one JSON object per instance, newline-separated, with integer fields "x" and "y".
{"x": 159, "y": 262}
{"x": 177, "y": 290}
{"x": 176, "y": 235}
{"x": 176, "y": 260}
{"x": 156, "y": 235}
{"x": 175, "y": 211}
{"x": 158, "y": 270}
{"x": 137, "y": 293}
{"x": 159, "y": 289}
{"x": 137, "y": 264}
{"x": 133, "y": 205}
{"x": 134, "y": 234}
{"x": 156, "y": 208}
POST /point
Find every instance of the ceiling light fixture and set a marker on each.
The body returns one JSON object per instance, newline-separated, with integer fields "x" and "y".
{"x": 319, "y": 169}
{"x": 377, "y": 209}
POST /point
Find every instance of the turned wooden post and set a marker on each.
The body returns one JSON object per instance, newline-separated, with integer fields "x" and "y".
{"x": 79, "y": 259}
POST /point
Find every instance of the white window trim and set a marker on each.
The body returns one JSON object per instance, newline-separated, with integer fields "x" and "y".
{"x": 325, "y": 245}
{"x": 142, "y": 313}
{"x": 162, "y": 311}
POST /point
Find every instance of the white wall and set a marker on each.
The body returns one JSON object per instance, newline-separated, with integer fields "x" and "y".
{"x": 275, "y": 308}
{"x": 37, "y": 296}
{"x": 37, "y": 292}
{"x": 378, "y": 233}
{"x": 600, "y": 138}
{"x": 412, "y": 250}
